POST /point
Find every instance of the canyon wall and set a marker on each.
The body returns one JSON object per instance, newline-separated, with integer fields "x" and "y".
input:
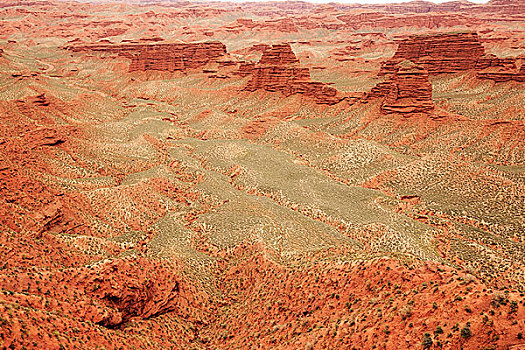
{"x": 408, "y": 90}
{"x": 453, "y": 53}
{"x": 161, "y": 56}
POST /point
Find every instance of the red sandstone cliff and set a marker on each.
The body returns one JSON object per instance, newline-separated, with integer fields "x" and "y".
{"x": 438, "y": 53}
{"x": 279, "y": 70}
{"x": 408, "y": 90}
{"x": 375, "y": 19}
{"x": 510, "y": 69}
{"x": 161, "y": 57}
{"x": 452, "y": 53}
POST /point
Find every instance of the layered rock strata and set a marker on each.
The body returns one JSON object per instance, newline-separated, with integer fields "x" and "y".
{"x": 279, "y": 71}
{"x": 161, "y": 56}
{"x": 504, "y": 70}
{"x": 406, "y": 91}
{"x": 438, "y": 53}
{"x": 453, "y": 53}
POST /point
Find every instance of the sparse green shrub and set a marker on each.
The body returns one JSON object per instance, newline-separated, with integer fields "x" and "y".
{"x": 465, "y": 331}
{"x": 427, "y": 341}
{"x": 499, "y": 299}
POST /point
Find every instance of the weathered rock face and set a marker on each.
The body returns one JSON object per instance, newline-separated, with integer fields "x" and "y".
{"x": 439, "y": 53}
{"x": 452, "y": 53}
{"x": 161, "y": 57}
{"x": 424, "y": 20}
{"x": 501, "y": 70}
{"x": 509, "y": 7}
{"x": 408, "y": 90}
{"x": 245, "y": 69}
{"x": 279, "y": 55}
{"x": 275, "y": 78}
{"x": 280, "y": 25}
{"x": 279, "y": 70}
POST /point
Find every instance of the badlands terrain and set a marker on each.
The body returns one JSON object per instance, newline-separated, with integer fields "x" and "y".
{"x": 264, "y": 175}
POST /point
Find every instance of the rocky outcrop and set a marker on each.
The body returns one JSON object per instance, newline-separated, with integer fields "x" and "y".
{"x": 438, "y": 53}
{"x": 245, "y": 69}
{"x": 425, "y": 20}
{"x": 407, "y": 91}
{"x": 280, "y": 25}
{"x": 452, "y": 53}
{"x": 501, "y": 70}
{"x": 138, "y": 288}
{"x": 279, "y": 71}
{"x": 279, "y": 55}
{"x": 161, "y": 56}
{"x": 508, "y": 7}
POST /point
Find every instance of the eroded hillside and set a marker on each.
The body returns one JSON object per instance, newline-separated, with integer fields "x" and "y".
{"x": 262, "y": 175}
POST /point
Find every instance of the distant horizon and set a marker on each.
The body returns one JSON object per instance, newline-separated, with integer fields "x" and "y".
{"x": 345, "y": 2}
{"x": 352, "y": 2}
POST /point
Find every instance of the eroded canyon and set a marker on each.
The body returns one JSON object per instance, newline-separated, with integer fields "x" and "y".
{"x": 265, "y": 175}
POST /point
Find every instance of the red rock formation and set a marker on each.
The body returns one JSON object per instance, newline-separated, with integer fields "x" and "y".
{"x": 508, "y": 7}
{"x": 107, "y": 294}
{"x": 439, "y": 53}
{"x": 427, "y": 20}
{"x": 161, "y": 57}
{"x": 408, "y": 90}
{"x": 504, "y": 70}
{"x": 451, "y": 53}
{"x": 279, "y": 55}
{"x": 281, "y": 25}
{"x": 279, "y": 70}
{"x": 276, "y": 78}
{"x": 245, "y": 69}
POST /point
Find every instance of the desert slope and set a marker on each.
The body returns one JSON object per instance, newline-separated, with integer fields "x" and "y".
{"x": 274, "y": 175}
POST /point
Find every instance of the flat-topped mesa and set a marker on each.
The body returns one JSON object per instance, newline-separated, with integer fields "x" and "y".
{"x": 161, "y": 56}
{"x": 453, "y": 53}
{"x": 438, "y": 53}
{"x": 406, "y": 91}
{"x": 279, "y": 71}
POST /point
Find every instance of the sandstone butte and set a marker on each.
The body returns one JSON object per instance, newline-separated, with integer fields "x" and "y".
{"x": 279, "y": 70}
{"x": 169, "y": 57}
{"x": 451, "y": 53}
{"x": 408, "y": 90}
